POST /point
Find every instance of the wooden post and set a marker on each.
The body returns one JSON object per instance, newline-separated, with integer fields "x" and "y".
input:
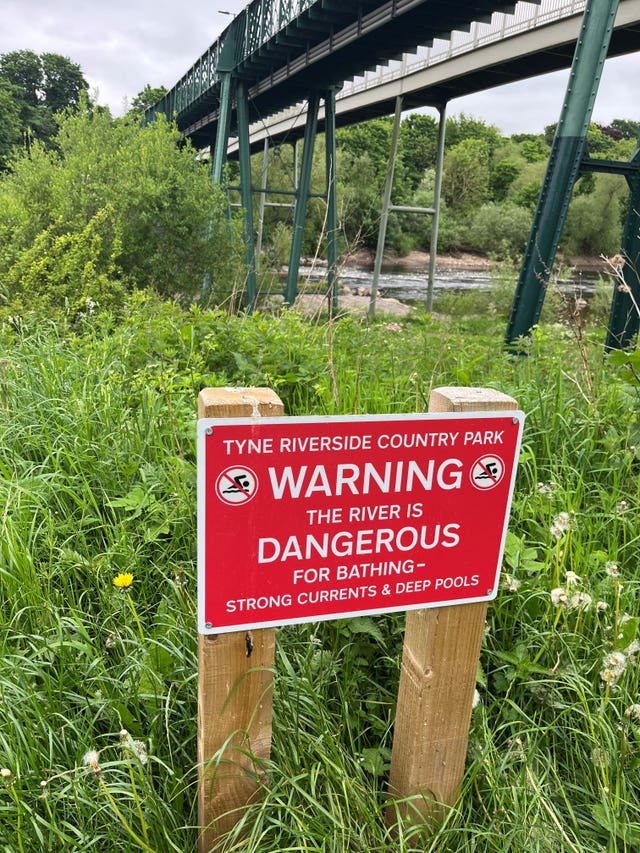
{"x": 438, "y": 674}
{"x": 234, "y": 687}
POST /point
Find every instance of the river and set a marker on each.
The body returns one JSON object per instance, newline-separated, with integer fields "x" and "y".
{"x": 411, "y": 287}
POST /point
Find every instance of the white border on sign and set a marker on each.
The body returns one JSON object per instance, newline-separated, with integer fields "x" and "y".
{"x": 206, "y": 425}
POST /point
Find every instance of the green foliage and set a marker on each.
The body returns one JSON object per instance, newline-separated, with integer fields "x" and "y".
{"x": 550, "y": 132}
{"x": 465, "y": 180}
{"x": 418, "y": 146}
{"x": 148, "y": 97}
{"x": 627, "y": 128}
{"x": 594, "y": 220}
{"x": 10, "y": 127}
{"x": 372, "y": 138}
{"x": 97, "y": 462}
{"x": 534, "y": 150}
{"x": 465, "y": 127}
{"x": 503, "y": 174}
{"x": 43, "y": 86}
{"x": 527, "y": 195}
{"x": 500, "y": 230}
{"x": 140, "y": 204}
{"x": 77, "y": 270}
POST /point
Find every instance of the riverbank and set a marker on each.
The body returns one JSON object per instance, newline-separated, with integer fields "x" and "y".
{"x": 355, "y": 299}
{"x": 418, "y": 261}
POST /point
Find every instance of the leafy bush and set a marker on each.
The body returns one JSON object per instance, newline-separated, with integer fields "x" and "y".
{"x": 138, "y": 203}
{"x": 499, "y": 229}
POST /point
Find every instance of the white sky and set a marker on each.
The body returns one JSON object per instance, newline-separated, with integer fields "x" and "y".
{"x": 121, "y": 46}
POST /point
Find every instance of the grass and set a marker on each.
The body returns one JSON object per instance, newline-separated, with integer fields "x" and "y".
{"x": 98, "y": 684}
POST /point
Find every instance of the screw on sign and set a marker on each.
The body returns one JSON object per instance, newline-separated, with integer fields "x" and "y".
{"x": 487, "y": 471}
{"x": 236, "y": 485}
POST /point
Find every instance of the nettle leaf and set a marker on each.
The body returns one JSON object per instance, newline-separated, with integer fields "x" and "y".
{"x": 134, "y": 502}
{"x": 627, "y": 633}
{"x": 366, "y": 625}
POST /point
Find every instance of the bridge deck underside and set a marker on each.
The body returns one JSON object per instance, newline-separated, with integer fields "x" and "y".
{"x": 511, "y": 68}
{"x": 333, "y": 41}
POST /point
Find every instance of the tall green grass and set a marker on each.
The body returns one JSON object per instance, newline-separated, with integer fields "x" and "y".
{"x": 98, "y": 684}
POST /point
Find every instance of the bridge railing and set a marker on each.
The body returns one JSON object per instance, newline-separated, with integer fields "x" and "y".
{"x": 525, "y": 17}
{"x": 261, "y": 20}
{"x": 251, "y": 28}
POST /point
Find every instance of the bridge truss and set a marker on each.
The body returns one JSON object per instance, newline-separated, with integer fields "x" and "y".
{"x": 278, "y": 52}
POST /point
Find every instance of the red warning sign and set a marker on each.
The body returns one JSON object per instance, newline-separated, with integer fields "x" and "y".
{"x": 302, "y": 519}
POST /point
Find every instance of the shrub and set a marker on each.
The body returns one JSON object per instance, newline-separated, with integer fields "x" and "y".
{"x": 141, "y": 205}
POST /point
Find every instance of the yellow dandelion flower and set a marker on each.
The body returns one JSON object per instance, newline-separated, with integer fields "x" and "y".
{"x": 123, "y": 580}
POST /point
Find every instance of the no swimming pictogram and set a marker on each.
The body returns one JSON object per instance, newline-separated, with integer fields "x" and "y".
{"x": 487, "y": 472}
{"x": 236, "y": 485}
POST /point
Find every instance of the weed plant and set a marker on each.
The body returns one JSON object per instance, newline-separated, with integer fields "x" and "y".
{"x": 98, "y": 679}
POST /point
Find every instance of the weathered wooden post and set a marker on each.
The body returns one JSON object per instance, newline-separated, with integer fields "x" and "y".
{"x": 439, "y": 665}
{"x": 306, "y": 518}
{"x": 235, "y": 676}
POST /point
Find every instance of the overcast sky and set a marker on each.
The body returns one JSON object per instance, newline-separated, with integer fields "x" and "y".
{"x": 121, "y": 45}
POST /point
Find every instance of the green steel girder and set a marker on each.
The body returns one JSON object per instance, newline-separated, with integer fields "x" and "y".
{"x": 624, "y": 322}
{"x": 332, "y": 207}
{"x": 246, "y": 194}
{"x": 302, "y": 197}
{"x": 611, "y": 167}
{"x": 564, "y": 166}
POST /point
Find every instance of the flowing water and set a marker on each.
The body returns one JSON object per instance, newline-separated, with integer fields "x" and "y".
{"x": 411, "y": 287}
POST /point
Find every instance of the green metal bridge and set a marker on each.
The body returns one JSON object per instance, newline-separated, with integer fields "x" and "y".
{"x": 276, "y": 53}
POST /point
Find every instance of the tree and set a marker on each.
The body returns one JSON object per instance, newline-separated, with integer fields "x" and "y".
{"x": 503, "y": 175}
{"x": 466, "y": 127}
{"x": 534, "y": 150}
{"x": 114, "y": 206}
{"x": 9, "y": 122}
{"x": 418, "y": 146}
{"x": 629, "y": 129}
{"x": 43, "y": 86}
{"x": 148, "y": 97}
{"x": 465, "y": 180}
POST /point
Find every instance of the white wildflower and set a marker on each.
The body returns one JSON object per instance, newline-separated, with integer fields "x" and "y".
{"x": 511, "y": 583}
{"x": 601, "y": 606}
{"x": 612, "y": 569}
{"x": 613, "y": 666}
{"x": 559, "y": 597}
{"x": 580, "y": 601}
{"x": 561, "y": 523}
{"x": 5, "y": 773}
{"x": 545, "y": 488}
{"x": 140, "y": 750}
{"x": 622, "y": 507}
{"x": 633, "y": 712}
{"x": 572, "y": 578}
{"x": 477, "y": 700}
{"x": 633, "y": 648}
{"x": 90, "y": 758}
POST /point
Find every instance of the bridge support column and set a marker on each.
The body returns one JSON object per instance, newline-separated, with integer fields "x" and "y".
{"x": 263, "y": 197}
{"x": 332, "y": 211}
{"x": 219, "y": 154}
{"x": 437, "y": 190}
{"x": 386, "y": 203}
{"x": 302, "y": 197}
{"x": 623, "y": 320}
{"x": 564, "y": 166}
{"x": 246, "y": 193}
